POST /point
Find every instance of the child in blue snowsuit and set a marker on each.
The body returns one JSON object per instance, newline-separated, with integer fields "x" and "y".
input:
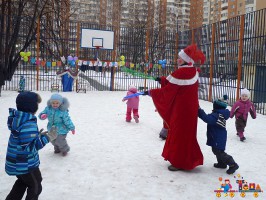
{"x": 22, "y": 158}
{"x": 59, "y": 121}
{"x": 217, "y": 134}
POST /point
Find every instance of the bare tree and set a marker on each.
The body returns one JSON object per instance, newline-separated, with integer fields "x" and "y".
{"x": 56, "y": 30}
{"x": 143, "y": 39}
{"x": 18, "y": 19}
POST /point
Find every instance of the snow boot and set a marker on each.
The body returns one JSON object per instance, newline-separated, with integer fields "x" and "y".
{"x": 163, "y": 133}
{"x": 57, "y": 151}
{"x": 136, "y": 119}
{"x": 64, "y": 154}
{"x": 232, "y": 168}
{"x": 220, "y": 165}
{"x": 172, "y": 168}
{"x": 242, "y": 139}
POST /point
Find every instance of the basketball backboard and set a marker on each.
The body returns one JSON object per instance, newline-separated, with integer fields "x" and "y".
{"x": 91, "y": 38}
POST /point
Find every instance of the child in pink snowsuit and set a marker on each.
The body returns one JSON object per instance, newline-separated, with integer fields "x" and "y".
{"x": 132, "y": 105}
{"x": 240, "y": 110}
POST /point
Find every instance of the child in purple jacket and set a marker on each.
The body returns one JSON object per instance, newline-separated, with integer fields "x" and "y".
{"x": 240, "y": 110}
{"x": 132, "y": 105}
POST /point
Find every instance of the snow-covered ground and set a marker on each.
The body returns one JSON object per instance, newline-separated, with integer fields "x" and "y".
{"x": 112, "y": 160}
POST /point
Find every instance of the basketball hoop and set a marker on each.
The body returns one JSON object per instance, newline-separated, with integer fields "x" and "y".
{"x": 97, "y": 51}
{"x": 97, "y": 43}
{"x": 98, "y": 47}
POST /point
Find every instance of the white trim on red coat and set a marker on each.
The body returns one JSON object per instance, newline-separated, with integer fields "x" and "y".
{"x": 178, "y": 81}
{"x": 185, "y": 57}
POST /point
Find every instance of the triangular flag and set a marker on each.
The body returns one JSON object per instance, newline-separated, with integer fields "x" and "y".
{"x": 59, "y": 63}
{"x": 48, "y": 64}
{"x": 147, "y": 65}
{"x": 95, "y": 63}
{"x": 132, "y": 65}
{"x": 79, "y": 62}
{"x": 43, "y": 63}
{"x": 32, "y": 60}
{"x": 53, "y": 64}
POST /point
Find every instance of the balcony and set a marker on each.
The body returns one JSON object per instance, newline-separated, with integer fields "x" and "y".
{"x": 224, "y": 5}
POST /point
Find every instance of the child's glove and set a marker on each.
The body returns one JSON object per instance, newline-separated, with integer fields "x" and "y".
{"x": 146, "y": 93}
{"x": 52, "y": 135}
{"x": 157, "y": 79}
{"x": 42, "y": 132}
{"x": 73, "y": 132}
{"x": 43, "y": 116}
{"x": 123, "y": 100}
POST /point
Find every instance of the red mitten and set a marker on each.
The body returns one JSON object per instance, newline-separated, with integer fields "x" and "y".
{"x": 73, "y": 132}
{"x": 43, "y": 116}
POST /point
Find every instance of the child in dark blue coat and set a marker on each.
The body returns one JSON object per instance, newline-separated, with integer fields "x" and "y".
{"x": 217, "y": 133}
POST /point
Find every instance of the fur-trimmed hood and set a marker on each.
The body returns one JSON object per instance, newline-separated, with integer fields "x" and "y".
{"x": 64, "y": 105}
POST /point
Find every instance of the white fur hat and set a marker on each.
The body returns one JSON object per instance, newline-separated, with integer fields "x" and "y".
{"x": 192, "y": 54}
{"x": 245, "y": 91}
{"x": 132, "y": 87}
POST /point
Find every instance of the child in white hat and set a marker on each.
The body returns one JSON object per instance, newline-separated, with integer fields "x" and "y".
{"x": 240, "y": 110}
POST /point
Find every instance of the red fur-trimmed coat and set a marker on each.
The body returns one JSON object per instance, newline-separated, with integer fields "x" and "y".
{"x": 177, "y": 103}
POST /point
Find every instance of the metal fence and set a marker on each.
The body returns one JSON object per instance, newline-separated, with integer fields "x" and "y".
{"x": 235, "y": 52}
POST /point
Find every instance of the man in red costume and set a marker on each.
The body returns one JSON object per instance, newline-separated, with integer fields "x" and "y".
{"x": 177, "y": 103}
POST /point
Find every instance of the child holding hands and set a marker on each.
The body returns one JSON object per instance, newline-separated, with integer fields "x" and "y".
{"x": 59, "y": 121}
{"x": 132, "y": 105}
{"x": 217, "y": 134}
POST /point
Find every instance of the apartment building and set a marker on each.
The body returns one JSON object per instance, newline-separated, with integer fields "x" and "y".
{"x": 134, "y": 11}
{"x": 219, "y": 10}
{"x": 196, "y": 13}
{"x": 85, "y": 10}
{"x": 180, "y": 14}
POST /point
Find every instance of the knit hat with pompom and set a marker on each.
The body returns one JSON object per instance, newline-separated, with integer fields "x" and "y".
{"x": 220, "y": 103}
{"x": 245, "y": 91}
